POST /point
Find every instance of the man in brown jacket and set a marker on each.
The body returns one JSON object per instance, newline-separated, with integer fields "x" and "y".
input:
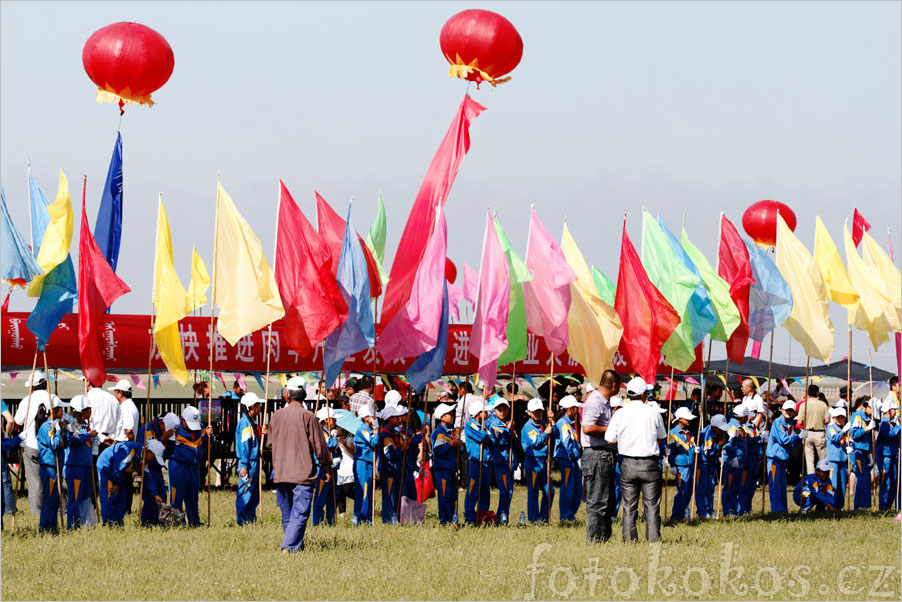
{"x": 297, "y": 444}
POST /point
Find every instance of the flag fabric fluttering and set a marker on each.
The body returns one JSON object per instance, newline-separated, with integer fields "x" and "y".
{"x": 108, "y": 227}
{"x": 859, "y": 226}
{"x": 17, "y": 264}
{"x": 873, "y": 308}
{"x": 471, "y": 284}
{"x": 99, "y": 287}
{"x": 170, "y": 301}
{"x": 375, "y": 240}
{"x": 547, "y": 295}
{"x": 430, "y": 365}
{"x": 770, "y": 300}
{"x": 455, "y": 296}
{"x": 734, "y": 266}
{"x": 516, "y": 318}
{"x": 357, "y": 332}
{"x": 244, "y": 288}
{"x": 414, "y": 329}
{"x": 314, "y": 305}
{"x": 488, "y": 340}
{"x": 648, "y": 319}
{"x": 606, "y": 289}
{"x": 58, "y": 284}
{"x": 718, "y": 291}
{"x": 809, "y": 323}
{"x": 200, "y": 282}
{"x": 594, "y": 326}
{"x": 433, "y": 191}
{"x": 826, "y": 256}
{"x": 331, "y": 232}
{"x": 874, "y": 255}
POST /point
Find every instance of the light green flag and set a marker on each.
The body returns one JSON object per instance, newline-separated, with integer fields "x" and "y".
{"x": 676, "y": 282}
{"x": 607, "y": 290}
{"x": 375, "y": 240}
{"x": 718, "y": 292}
{"x": 516, "y": 319}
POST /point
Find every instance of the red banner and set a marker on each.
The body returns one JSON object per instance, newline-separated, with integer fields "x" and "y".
{"x": 126, "y": 340}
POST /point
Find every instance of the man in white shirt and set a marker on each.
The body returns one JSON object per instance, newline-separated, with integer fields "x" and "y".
{"x": 105, "y": 416}
{"x": 599, "y": 458}
{"x": 638, "y": 431}
{"x": 128, "y": 428}
{"x": 25, "y": 413}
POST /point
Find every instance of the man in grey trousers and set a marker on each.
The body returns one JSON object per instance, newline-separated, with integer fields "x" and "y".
{"x": 638, "y": 431}
{"x": 25, "y": 413}
{"x": 599, "y": 457}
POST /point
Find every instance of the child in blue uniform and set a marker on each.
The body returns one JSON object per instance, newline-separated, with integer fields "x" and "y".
{"x": 479, "y": 448}
{"x": 78, "y": 461}
{"x": 682, "y": 461}
{"x": 534, "y": 438}
{"x": 388, "y": 456}
{"x": 51, "y": 442}
{"x": 154, "y": 489}
{"x": 365, "y": 441}
{"x": 114, "y": 465}
{"x": 162, "y": 428}
{"x": 499, "y": 425}
{"x": 188, "y": 456}
{"x": 734, "y": 452}
{"x": 782, "y": 438}
{"x": 886, "y": 453}
{"x": 862, "y": 425}
{"x": 713, "y": 438}
{"x": 750, "y": 465}
{"x": 838, "y": 453}
{"x": 444, "y": 461}
{"x": 412, "y": 438}
{"x": 324, "y": 494}
{"x": 247, "y": 449}
{"x": 567, "y": 452}
{"x": 814, "y": 493}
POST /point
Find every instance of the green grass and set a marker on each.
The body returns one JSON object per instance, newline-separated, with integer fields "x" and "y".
{"x": 225, "y": 561}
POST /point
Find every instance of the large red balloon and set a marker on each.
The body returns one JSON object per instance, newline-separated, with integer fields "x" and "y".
{"x": 128, "y": 62}
{"x": 481, "y": 46}
{"x": 760, "y": 221}
{"x": 450, "y": 271}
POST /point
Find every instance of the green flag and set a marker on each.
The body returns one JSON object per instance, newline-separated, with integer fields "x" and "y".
{"x": 718, "y": 292}
{"x": 375, "y": 240}
{"x": 607, "y": 290}
{"x": 516, "y": 319}
{"x": 676, "y": 282}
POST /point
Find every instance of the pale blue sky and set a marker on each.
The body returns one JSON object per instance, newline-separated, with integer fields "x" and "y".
{"x": 699, "y": 107}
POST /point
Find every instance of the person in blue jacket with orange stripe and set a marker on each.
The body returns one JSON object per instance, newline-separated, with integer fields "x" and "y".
{"x": 682, "y": 461}
{"x": 389, "y": 456}
{"x": 51, "y": 442}
{"x": 247, "y": 449}
{"x": 814, "y": 493}
{"x": 860, "y": 433}
{"x": 838, "y": 449}
{"x": 479, "y": 442}
{"x": 734, "y": 452}
{"x": 188, "y": 456}
{"x": 365, "y": 441}
{"x": 153, "y": 492}
{"x": 444, "y": 461}
{"x": 114, "y": 465}
{"x": 499, "y": 459}
{"x": 534, "y": 438}
{"x": 711, "y": 442}
{"x": 78, "y": 463}
{"x": 782, "y": 438}
{"x": 886, "y": 453}
{"x": 567, "y": 452}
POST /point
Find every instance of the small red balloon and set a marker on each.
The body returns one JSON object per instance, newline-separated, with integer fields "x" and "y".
{"x": 760, "y": 221}
{"x": 481, "y": 46}
{"x": 450, "y": 271}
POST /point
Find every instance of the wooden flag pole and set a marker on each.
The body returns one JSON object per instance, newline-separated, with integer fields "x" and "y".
{"x": 510, "y": 448}
{"x": 146, "y": 411}
{"x": 404, "y": 454}
{"x": 805, "y": 420}
{"x": 550, "y": 449}
{"x": 329, "y": 416}
{"x": 667, "y": 429}
{"x": 770, "y": 363}
{"x": 373, "y": 398}
{"x": 96, "y": 500}
{"x": 726, "y": 384}
{"x": 874, "y": 431}
{"x": 212, "y": 345}
{"x": 701, "y": 419}
{"x": 851, "y": 479}
{"x": 59, "y": 473}
{"x": 264, "y": 421}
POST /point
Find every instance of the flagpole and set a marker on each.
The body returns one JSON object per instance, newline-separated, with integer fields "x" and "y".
{"x": 34, "y": 365}
{"x": 96, "y": 499}
{"x": 212, "y": 346}
{"x": 804, "y": 443}
{"x": 871, "y": 395}
{"x": 147, "y": 403}
{"x": 373, "y": 398}
{"x": 770, "y": 362}
{"x": 551, "y": 423}
{"x": 849, "y": 413}
{"x": 727, "y": 382}
{"x": 59, "y": 473}
{"x": 669, "y": 408}
{"x": 701, "y": 420}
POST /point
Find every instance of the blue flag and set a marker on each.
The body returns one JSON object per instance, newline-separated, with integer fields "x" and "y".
{"x": 108, "y": 227}
{"x": 770, "y": 299}
{"x": 16, "y": 260}
{"x": 430, "y": 365}
{"x": 701, "y": 311}
{"x": 357, "y": 333}
{"x": 59, "y": 292}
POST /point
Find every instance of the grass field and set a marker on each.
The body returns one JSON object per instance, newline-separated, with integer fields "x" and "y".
{"x": 854, "y": 557}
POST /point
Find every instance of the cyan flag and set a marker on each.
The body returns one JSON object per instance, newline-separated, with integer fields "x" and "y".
{"x": 108, "y": 227}
{"x": 770, "y": 298}
{"x": 430, "y": 365}
{"x": 16, "y": 260}
{"x": 358, "y": 332}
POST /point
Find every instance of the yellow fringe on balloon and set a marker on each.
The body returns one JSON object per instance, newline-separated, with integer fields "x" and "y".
{"x": 463, "y": 70}
{"x": 124, "y": 96}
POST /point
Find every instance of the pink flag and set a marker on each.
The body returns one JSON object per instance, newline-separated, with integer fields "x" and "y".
{"x": 691, "y": 380}
{"x": 239, "y": 378}
{"x": 488, "y": 340}
{"x": 455, "y": 296}
{"x": 547, "y": 295}
{"x": 756, "y": 349}
{"x": 12, "y": 376}
{"x": 414, "y": 329}
{"x": 471, "y": 284}
{"x": 137, "y": 380}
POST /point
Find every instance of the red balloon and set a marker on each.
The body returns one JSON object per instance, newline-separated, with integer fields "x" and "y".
{"x": 760, "y": 221}
{"x": 481, "y": 46}
{"x": 450, "y": 271}
{"x": 128, "y": 62}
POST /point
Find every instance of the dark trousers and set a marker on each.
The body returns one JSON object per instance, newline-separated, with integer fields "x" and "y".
{"x": 598, "y": 473}
{"x": 641, "y": 474}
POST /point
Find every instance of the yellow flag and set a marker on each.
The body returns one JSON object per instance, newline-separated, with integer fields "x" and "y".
{"x": 826, "y": 255}
{"x": 243, "y": 284}
{"x": 869, "y": 314}
{"x": 169, "y": 300}
{"x": 200, "y": 282}
{"x": 594, "y": 326}
{"x": 809, "y": 323}
{"x": 891, "y": 279}
{"x": 57, "y": 236}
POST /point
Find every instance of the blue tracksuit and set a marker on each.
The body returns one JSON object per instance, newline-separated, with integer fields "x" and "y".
{"x": 734, "y": 452}
{"x": 682, "y": 457}
{"x": 114, "y": 466}
{"x": 50, "y": 444}
{"x": 861, "y": 465}
{"x": 247, "y": 450}
{"x": 886, "y": 453}
{"x": 479, "y": 469}
{"x": 409, "y": 463}
{"x": 8, "y": 445}
{"x": 188, "y": 455}
{"x": 813, "y": 494}
{"x": 837, "y": 441}
{"x": 444, "y": 471}
{"x": 500, "y": 462}
{"x": 324, "y": 493}
{"x": 748, "y": 482}
{"x": 567, "y": 452}
{"x": 782, "y": 438}
{"x": 154, "y": 486}
{"x": 388, "y": 457}
{"x": 365, "y": 442}
{"x": 535, "y": 449}
{"x": 706, "y": 473}
{"x": 77, "y": 472}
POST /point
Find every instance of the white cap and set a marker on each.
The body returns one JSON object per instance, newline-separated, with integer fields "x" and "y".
{"x": 841, "y": 404}
{"x": 823, "y": 465}
{"x": 570, "y": 402}
{"x": 683, "y": 413}
{"x": 615, "y": 402}
{"x": 156, "y": 446}
{"x": 296, "y": 383}
{"x": 391, "y": 411}
{"x": 35, "y": 379}
{"x": 741, "y": 411}
{"x": 444, "y": 408}
{"x": 170, "y": 421}
{"x": 497, "y": 401}
{"x": 191, "y": 415}
{"x": 476, "y": 405}
{"x": 589, "y": 388}
{"x": 834, "y": 412}
{"x": 535, "y": 404}
{"x": 249, "y": 400}
{"x": 636, "y": 386}
{"x": 789, "y": 405}
{"x": 364, "y": 411}
{"x": 326, "y": 412}
{"x": 654, "y": 404}
{"x": 719, "y": 422}
{"x": 79, "y": 403}
{"x": 888, "y": 404}
{"x": 392, "y": 398}
{"x": 59, "y": 403}
{"x": 121, "y": 385}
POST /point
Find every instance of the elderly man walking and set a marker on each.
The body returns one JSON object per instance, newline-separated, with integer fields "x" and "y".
{"x": 638, "y": 431}
{"x": 599, "y": 458}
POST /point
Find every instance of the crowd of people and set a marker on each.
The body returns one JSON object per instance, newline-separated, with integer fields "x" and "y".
{"x": 608, "y": 445}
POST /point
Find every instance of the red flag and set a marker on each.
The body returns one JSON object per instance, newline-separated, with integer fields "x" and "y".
{"x": 859, "y": 226}
{"x": 648, "y": 319}
{"x": 98, "y": 288}
{"x": 733, "y": 265}
{"x": 332, "y": 233}
{"x": 434, "y": 189}
{"x": 314, "y": 306}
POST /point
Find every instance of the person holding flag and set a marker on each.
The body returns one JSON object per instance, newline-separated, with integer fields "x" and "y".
{"x": 444, "y": 461}
{"x": 682, "y": 459}
{"x": 499, "y": 425}
{"x": 247, "y": 449}
{"x": 534, "y": 439}
{"x": 567, "y": 452}
{"x": 782, "y": 438}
